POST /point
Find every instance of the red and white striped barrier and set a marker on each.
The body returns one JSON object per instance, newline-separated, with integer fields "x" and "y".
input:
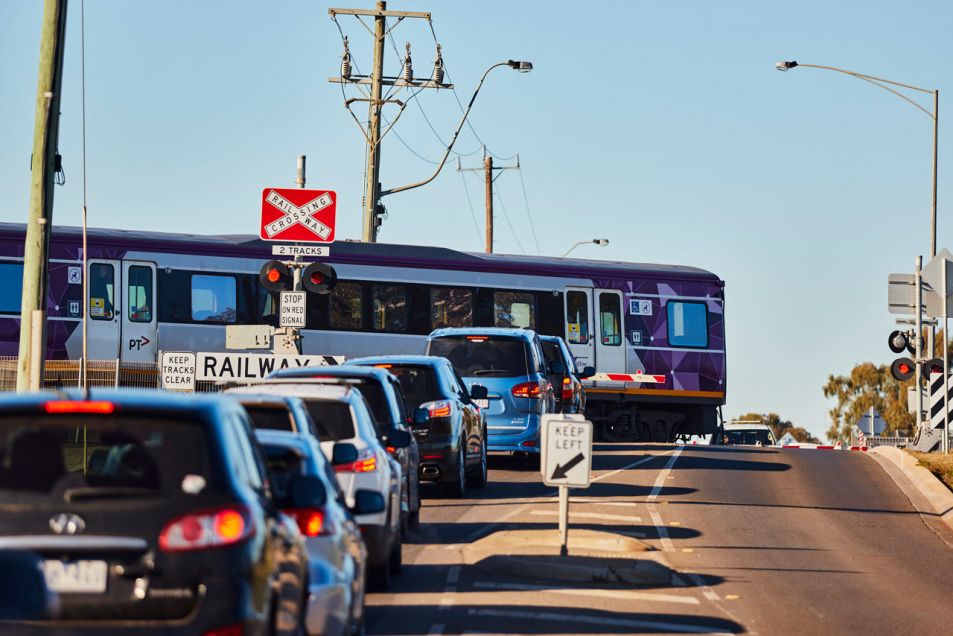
{"x": 825, "y": 447}
{"x": 628, "y": 377}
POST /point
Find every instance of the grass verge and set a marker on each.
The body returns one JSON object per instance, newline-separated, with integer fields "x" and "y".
{"x": 937, "y": 463}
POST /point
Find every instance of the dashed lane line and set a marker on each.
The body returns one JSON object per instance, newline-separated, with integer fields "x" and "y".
{"x": 629, "y": 595}
{"x": 629, "y": 466}
{"x": 589, "y": 515}
{"x": 678, "y": 628}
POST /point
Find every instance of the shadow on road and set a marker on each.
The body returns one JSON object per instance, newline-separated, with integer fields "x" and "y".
{"x": 458, "y": 533}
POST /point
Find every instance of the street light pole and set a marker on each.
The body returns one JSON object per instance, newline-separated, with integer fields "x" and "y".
{"x": 599, "y": 242}
{"x": 882, "y": 83}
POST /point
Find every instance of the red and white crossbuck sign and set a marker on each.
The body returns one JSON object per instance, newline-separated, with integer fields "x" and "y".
{"x": 292, "y": 214}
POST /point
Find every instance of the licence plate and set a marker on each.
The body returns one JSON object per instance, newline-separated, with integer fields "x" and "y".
{"x": 483, "y": 404}
{"x": 75, "y": 576}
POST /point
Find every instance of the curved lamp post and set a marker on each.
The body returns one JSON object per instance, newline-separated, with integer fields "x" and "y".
{"x": 599, "y": 242}
{"x": 883, "y": 83}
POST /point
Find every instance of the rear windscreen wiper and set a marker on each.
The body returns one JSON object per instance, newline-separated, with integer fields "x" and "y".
{"x": 109, "y": 492}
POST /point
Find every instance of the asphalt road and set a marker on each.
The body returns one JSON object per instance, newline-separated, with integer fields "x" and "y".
{"x": 747, "y": 540}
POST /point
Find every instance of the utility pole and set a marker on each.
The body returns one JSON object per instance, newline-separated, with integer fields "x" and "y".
{"x": 39, "y": 225}
{"x": 376, "y": 80}
{"x": 489, "y": 178}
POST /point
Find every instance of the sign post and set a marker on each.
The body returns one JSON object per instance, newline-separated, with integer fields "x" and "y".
{"x": 566, "y": 461}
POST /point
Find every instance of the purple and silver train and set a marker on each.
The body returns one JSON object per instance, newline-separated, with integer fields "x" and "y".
{"x": 151, "y": 291}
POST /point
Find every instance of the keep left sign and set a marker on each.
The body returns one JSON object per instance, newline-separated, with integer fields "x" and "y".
{"x": 296, "y": 215}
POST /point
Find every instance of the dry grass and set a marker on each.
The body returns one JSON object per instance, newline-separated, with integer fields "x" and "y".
{"x": 937, "y": 463}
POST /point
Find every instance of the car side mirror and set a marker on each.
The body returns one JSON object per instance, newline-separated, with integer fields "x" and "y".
{"x": 23, "y": 591}
{"x": 478, "y": 392}
{"x": 306, "y": 491}
{"x": 344, "y": 453}
{"x": 421, "y": 415}
{"x": 398, "y": 438}
{"x": 368, "y": 502}
{"x": 556, "y": 367}
{"x": 587, "y": 372}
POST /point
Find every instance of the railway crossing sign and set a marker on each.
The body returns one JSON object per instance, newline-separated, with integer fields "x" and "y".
{"x": 297, "y": 215}
{"x": 292, "y": 309}
{"x": 567, "y": 452}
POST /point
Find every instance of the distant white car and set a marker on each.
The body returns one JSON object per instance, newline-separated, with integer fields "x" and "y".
{"x": 745, "y": 435}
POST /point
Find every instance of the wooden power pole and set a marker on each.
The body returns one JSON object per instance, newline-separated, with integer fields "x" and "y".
{"x": 40, "y": 223}
{"x": 488, "y": 179}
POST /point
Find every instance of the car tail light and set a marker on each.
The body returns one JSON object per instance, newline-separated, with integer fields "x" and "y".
{"x": 527, "y": 390}
{"x": 529, "y": 444}
{"x": 229, "y": 630}
{"x": 312, "y": 522}
{"x": 77, "y": 406}
{"x": 477, "y": 338}
{"x": 207, "y": 529}
{"x": 439, "y": 409}
{"x": 567, "y": 389}
{"x": 383, "y": 366}
{"x": 366, "y": 462}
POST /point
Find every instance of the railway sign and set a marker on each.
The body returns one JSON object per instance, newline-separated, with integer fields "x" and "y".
{"x": 297, "y": 215}
{"x": 177, "y": 370}
{"x": 567, "y": 452}
{"x": 292, "y": 309}
{"x": 231, "y": 367}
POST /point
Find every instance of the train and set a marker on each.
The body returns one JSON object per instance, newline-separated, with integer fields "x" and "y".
{"x": 157, "y": 291}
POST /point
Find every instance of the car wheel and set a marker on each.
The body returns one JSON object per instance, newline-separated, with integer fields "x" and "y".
{"x": 479, "y": 478}
{"x": 396, "y": 560}
{"x": 458, "y": 487}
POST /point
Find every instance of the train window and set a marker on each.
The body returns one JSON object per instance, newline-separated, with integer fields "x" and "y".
{"x": 451, "y": 307}
{"x": 514, "y": 309}
{"x": 610, "y": 312}
{"x": 346, "y": 306}
{"x": 139, "y": 292}
{"x": 577, "y": 317}
{"x": 390, "y": 307}
{"x": 214, "y": 298}
{"x": 102, "y": 278}
{"x": 11, "y": 287}
{"x": 687, "y": 324}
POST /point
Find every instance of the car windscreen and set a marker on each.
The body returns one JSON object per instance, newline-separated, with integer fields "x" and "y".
{"x": 333, "y": 419}
{"x": 487, "y": 356}
{"x": 283, "y": 464}
{"x": 750, "y": 438}
{"x": 100, "y": 456}
{"x": 270, "y": 418}
{"x": 419, "y": 384}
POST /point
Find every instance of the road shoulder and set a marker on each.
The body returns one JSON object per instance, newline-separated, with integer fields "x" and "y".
{"x": 926, "y": 492}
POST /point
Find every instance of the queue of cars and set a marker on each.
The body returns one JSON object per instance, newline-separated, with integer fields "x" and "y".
{"x": 267, "y": 509}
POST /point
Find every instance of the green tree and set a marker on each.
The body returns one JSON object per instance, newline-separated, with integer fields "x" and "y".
{"x": 867, "y": 386}
{"x": 778, "y": 426}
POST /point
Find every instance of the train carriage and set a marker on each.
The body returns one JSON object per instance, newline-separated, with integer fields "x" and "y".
{"x": 151, "y": 291}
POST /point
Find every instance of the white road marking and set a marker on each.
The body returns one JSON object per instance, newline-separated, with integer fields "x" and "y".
{"x": 594, "y": 620}
{"x": 709, "y": 593}
{"x": 627, "y": 467}
{"x": 663, "y": 475}
{"x": 485, "y": 530}
{"x": 589, "y": 515}
{"x": 600, "y": 593}
{"x": 667, "y": 545}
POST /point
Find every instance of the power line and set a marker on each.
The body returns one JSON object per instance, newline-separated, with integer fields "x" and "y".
{"x": 476, "y": 226}
{"x": 532, "y": 226}
{"x": 506, "y": 216}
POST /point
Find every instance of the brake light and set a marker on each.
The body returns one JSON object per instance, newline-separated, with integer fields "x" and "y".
{"x": 312, "y": 522}
{"x": 366, "y": 462}
{"x": 567, "y": 389}
{"x": 477, "y": 338}
{"x": 383, "y": 366}
{"x": 230, "y": 630}
{"x": 527, "y": 390}
{"x": 207, "y": 529}
{"x": 89, "y": 406}
{"x": 439, "y": 409}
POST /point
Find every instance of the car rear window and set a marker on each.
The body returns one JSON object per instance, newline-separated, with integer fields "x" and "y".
{"x": 551, "y": 351}
{"x": 333, "y": 419}
{"x": 376, "y": 399}
{"x": 488, "y": 356}
{"x": 418, "y": 382}
{"x": 270, "y": 418}
{"x": 283, "y": 464}
{"x": 750, "y": 438}
{"x": 86, "y": 456}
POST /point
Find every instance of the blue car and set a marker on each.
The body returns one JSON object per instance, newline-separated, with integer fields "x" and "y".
{"x": 511, "y": 365}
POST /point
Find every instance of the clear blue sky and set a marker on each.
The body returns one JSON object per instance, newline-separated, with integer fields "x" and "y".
{"x": 661, "y": 125}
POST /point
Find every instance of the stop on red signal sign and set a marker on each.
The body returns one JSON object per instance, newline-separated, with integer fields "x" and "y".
{"x": 296, "y": 215}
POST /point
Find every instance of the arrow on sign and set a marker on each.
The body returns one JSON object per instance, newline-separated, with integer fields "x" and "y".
{"x": 560, "y": 471}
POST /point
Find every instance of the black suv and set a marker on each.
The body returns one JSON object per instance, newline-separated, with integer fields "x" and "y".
{"x": 149, "y": 507}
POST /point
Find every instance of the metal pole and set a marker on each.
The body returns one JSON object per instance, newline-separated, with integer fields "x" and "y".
{"x": 372, "y": 183}
{"x": 563, "y": 520}
{"x": 918, "y": 366}
{"x": 946, "y": 361}
{"x": 936, "y": 133}
{"x": 488, "y": 173}
{"x": 39, "y": 225}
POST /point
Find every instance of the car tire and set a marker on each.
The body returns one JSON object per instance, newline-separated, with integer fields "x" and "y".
{"x": 457, "y": 488}
{"x": 479, "y": 478}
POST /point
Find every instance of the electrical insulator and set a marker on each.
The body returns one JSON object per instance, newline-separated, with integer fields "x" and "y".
{"x": 438, "y": 68}
{"x": 346, "y": 62}
{"x": 408, "y": 67}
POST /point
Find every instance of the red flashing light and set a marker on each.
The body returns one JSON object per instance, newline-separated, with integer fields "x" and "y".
{"x": 317, "y": 278}
{"x": 904, "y": 368}
{"x": 89, "y": 406}
{"x": 273, "y": 275}
{"x": 527, "y": 390}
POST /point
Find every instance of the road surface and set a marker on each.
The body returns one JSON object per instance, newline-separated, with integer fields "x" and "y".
{"x": 748, "y": 540}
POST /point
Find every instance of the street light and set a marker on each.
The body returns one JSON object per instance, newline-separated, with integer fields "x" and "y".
{"x": 882, "y": 83}
{"x": 599, "y": 242}
{"x": 520, "y": 65}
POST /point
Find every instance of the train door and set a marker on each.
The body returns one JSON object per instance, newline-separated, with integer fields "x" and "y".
{"x": 579, "y": 326}
{"x": 138, "y": 331}
{"x": 610, "y": 341}
{"x": 103, "y": 304}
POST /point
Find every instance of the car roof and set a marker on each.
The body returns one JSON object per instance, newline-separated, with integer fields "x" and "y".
{"x": 133, "y": 400}
{"x": 246, "y": 398}
{"x": 299, "y": 388}
{"x": 341, "y": 371}
{"x": 283, "y": 438}
{"x": 399, "y": 360}
{"x": 528, "y": 334}
{"x": 747, "y": 427}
